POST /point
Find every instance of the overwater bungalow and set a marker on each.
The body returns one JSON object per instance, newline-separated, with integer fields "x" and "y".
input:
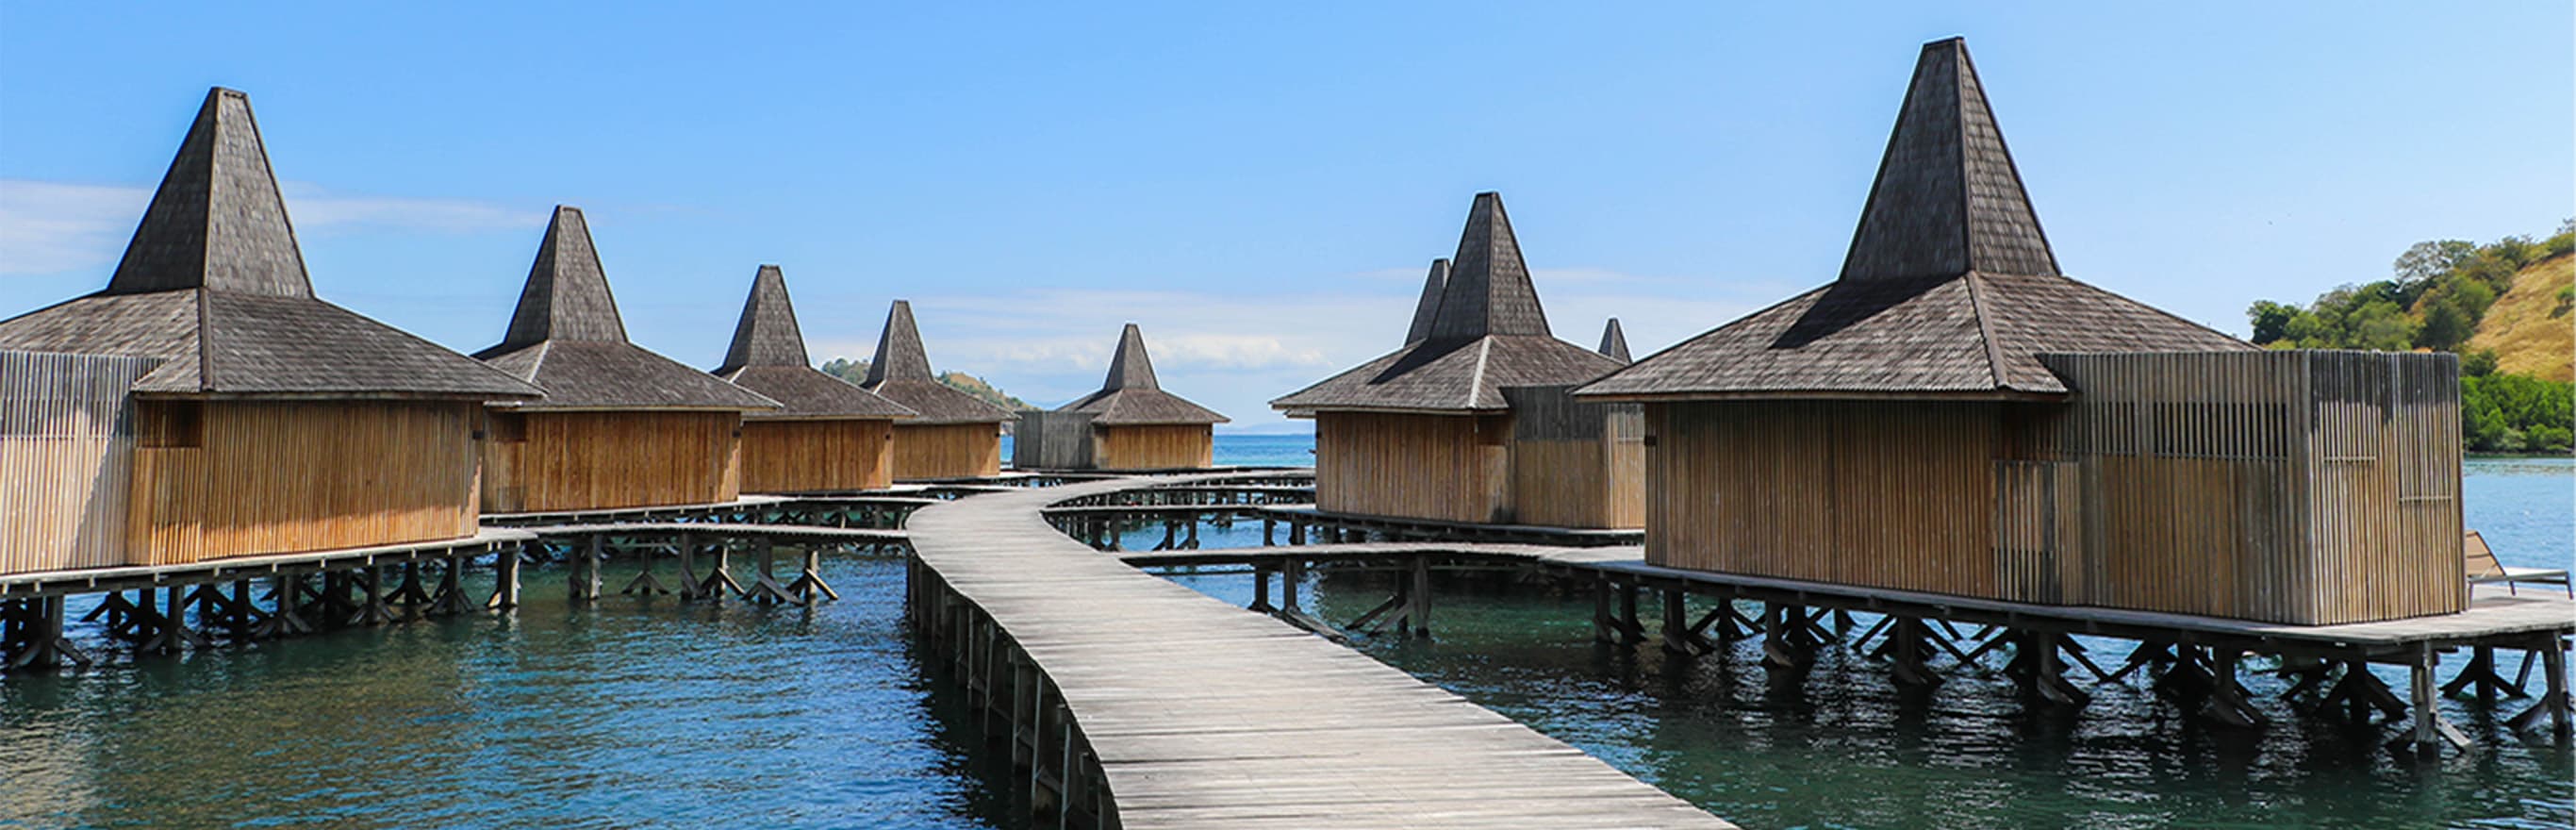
{"x": 1471, "y": 421}
{"x": 206, "y": 404}
{"x": 1130, "y": 424}
{"x": 619, "y": 426}
{"x": 831, "y": 434}
{"x": 1952, "y": 414}
{"x": 951, "y": 434}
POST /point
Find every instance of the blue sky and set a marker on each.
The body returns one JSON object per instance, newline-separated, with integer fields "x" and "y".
{"x": 1261, "y": 186}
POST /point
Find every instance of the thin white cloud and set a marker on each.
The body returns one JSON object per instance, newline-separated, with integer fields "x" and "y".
{"x": 55, "y": 227}
{"x": 52, "y": 227}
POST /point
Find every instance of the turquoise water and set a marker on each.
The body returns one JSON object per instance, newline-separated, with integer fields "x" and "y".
{"x": 646, "y": 713}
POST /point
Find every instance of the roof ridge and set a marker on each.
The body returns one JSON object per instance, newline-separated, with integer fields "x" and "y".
{"x": 1947, "y": 199}
{"x": 900, "y": 353}
{"x": 1427, "y": 308}
{"x": 1488, "y": 289}
{"x": 1614, "y": 342}
{"x": 567, "y": 295}
{"x": 1985, "y": 329}
{"x": 217, "y": 220}
{"x": 767, "y": 334}
{"x": 1131, "y": 367}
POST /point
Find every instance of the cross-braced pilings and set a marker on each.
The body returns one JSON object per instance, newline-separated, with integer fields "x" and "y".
{"x": 2197, "y": 664}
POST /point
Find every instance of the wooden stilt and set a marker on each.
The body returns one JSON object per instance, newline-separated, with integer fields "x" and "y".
{"x": 809, "y": 584}
{"x": 2555, "y": 701}
{"x": 2430, "y": 730}
{"x": 764, "y": 587}
{"x": 505, "y": 581}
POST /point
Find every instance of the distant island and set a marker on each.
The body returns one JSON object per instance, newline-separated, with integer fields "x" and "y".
{"x": 856, "y": 371}
{"x": 2504, "y": 307}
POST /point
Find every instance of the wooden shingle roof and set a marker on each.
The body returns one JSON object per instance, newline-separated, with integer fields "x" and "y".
{"x": 900, "y": 372}
{"x": 1427, "y": 308}
{"x": 565, "y": 337}
{"x": 768, "y": 356}
{"x": 1488, "y": 333}
{"x": 1132, "y": 396}
{"x": 214, "y": 286}
{"x": 1949, "y": 289}
{"x": 1614, "y": 343}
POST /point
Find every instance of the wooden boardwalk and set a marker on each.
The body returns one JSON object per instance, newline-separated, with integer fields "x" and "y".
{"x": 2493, "y": 610}
{"x": 1201, "y": 714}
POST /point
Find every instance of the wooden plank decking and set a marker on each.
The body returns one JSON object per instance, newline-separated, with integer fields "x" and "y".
{"x": 1205, "y": 715}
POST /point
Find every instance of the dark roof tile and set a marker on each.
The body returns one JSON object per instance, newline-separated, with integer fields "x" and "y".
{"x": 1131, "y": 395}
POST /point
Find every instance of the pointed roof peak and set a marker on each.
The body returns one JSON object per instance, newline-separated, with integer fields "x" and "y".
{"x": 1614, "y": 342}
{"x": 767, "y": 334}
{"x": 1947, "y": 199}
{"x": 1131, "y": 368}
{"x": 1428, "y": 307}
{"x": 217, "y": 221}
{"x": 1488, "y": 290}
{"x": 899, "y": 350}
{"x": 567, "y": 296}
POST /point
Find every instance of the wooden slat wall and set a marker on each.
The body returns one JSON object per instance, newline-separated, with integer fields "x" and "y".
{"x": 1884, "y": 494}
{"x": 66, "y": 458}
{"x": 267, "y": 477}
{"x": 783, "y": 456}
{"x": 1443, "y": 467}
{"x": 1052, "y": 441}
{"x": 2298, "y": 487}
{"x": 600, "y": 460}
{"x": 1154, "y": 446}
{"x": 1576, "y": 463}
{"x": 946, "y": 450}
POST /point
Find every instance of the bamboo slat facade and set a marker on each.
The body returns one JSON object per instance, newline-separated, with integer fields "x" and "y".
{"x": 268, "y": 421}
{"x": 1470, "y": 421}
{"x": 1454, "y": 468}
{"x": 1576, "y": 463}
{"x": 598, "y": 460}
{"x": 231, "y": 478}
{"x": 786, "y": 456}
{"x": 959, "y": 450}
{"x": 66, "y": 459}
{"x": 1130, "y": 424}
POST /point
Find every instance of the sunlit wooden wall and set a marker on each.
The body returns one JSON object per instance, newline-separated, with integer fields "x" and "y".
{"x": 215, "y": 479}
{"x": 1576, "y": 463}
{"x": 800, "y": 456}
{"x": 66, "y": 459}
{"x": 1885, "y": 494}
{"x": 540, "y": 461}
{"x": 946, "y": 450}
{"x": 1443, "y": 467}
{"x": 1153, "y": 446}
{"x": 2295, "y": 487}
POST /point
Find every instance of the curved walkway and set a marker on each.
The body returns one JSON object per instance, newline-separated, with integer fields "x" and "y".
{"x": 1206, "y": 715}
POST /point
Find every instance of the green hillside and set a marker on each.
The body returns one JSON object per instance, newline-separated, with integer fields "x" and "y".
{"x": 2503, "y": 306}
{"x": 856, "y": 371}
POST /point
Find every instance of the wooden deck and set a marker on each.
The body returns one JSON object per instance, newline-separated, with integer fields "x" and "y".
{"x": 2493, "y": 611}
{"x": 1204, "y": 715}
{"x": 131, "y": 577}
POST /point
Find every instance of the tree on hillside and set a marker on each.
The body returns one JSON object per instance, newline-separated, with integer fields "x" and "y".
{"x": 2271, "y": 320}
{"x": 2420, "y": 265}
